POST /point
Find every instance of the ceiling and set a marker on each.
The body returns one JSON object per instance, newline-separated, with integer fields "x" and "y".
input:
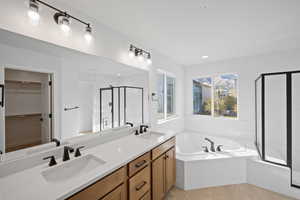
{"x": 187, "y": 30}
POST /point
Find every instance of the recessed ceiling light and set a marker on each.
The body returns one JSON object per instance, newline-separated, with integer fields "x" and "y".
{"x": 204, "y": 57}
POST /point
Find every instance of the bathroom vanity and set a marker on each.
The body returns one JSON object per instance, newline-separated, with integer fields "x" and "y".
{"x": 149, "y": 176}
{"x": 129, "y": 167}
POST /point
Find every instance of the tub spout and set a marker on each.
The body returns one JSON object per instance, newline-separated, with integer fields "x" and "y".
{"x": 212, "y": 144}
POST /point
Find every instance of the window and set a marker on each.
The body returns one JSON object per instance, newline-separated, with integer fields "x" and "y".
{"x": 215, "y": 96}
{"x": 165, "y": 96}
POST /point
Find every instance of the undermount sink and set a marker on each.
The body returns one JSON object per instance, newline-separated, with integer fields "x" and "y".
{"x": 151, "y": 135}
{"x": 72, "y": 168}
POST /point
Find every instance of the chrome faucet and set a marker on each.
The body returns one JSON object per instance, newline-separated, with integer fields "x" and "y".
{"x": 212, "y": 144}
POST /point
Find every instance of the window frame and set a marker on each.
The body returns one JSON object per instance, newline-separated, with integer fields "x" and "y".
{"x": 212, "y": 115}
{"x": 165, "y": 97}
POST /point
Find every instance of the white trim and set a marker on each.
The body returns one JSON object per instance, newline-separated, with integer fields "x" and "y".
{"x": 165, "y": 75}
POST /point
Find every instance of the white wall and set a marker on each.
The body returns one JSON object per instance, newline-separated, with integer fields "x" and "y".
{"x": 248, "y": 69}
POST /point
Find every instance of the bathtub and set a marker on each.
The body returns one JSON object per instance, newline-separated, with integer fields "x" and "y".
{"x": 199, "y": 169}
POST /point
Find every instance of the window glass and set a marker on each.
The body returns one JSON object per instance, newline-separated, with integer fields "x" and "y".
{"x": 202, "y": 96}
{"x": 170, "y": 96}
{"x": 225, "y": 95}
{"x": 160, "y": 95}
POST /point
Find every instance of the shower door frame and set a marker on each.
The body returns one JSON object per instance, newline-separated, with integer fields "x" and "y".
{"x": 288, "y": 119}
{"x": 119, "y": 106}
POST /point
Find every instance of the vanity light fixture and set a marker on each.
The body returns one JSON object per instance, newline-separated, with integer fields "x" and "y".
{"x": 204, "y": 57}
{"x": 33, "y": 11}
{"x": 88, "y": 33}
{"x": 131, "y": 52}
{"x": 62, "y": 18}
{"x": 149, "y": 61}
{"x": 140, "y": 54}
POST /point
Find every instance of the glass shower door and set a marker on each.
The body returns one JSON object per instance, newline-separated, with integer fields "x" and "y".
{"x": 106, "y": 111}
{"x": 295, "y": 130}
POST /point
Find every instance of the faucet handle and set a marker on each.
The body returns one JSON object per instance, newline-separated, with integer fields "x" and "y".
{"x": 77, "y": 152}
{"x": 219, "y": 147}
{"x": 52, "y": 160}
{"x": 205, "y": 149}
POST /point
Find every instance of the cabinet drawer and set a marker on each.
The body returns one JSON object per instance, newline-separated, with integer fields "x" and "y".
{"x": 138, "y": 164}
{"x": 156, "y": 152}
{"x": 102, "y": 187}
{"x": 139, "y": 184}
{"x": 147, "y": 196}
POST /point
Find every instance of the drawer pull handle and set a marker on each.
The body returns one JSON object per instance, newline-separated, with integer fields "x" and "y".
{"x": 139, "y": 187}
{"x": 139, "y": 164}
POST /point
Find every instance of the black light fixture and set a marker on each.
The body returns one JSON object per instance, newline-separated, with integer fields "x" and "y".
{"x": 88, "y": 33}
{"x": 139, "y": 53}
{"x": 33, "y": 10}
{"x": 62, "y": 18}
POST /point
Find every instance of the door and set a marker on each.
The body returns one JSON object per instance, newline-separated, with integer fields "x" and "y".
{"x": 158, "y": 178}
{"x": 2, "y": 112}
{"x": 170, "y": 169}
{"x": 295, "y": 151}
{"x": 117, "y": 194}
{"x": 46, "y": 102}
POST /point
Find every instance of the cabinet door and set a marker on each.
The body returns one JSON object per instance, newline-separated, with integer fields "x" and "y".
{"x": 170, "y": 169}
{"x": 117, "y": 194}
{"x": 158, "y": 178}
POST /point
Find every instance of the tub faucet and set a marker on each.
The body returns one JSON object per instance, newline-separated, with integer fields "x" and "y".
{"x": 212, "y": 144}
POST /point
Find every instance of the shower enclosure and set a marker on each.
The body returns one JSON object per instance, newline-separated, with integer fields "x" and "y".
{"x": 119, "y": 105}
{"x": 277, "y": 113}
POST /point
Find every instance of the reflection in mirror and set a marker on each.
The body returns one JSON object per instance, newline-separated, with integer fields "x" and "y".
{"x": 258, "y": 115}
{"x": 34, "y": 110}
{"x": 28, "y": 103}
{"x": 295, "y": 129}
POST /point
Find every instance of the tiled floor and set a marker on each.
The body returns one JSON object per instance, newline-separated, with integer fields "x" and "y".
{"x": 230, "y": 192}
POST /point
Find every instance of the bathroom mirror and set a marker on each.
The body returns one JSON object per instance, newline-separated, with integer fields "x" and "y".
{"x": 53, "y": 92}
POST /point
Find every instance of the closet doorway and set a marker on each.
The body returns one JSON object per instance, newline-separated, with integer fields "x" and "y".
{"x": 28, "y": 109}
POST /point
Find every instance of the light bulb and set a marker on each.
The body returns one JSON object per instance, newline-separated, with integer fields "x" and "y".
{"x": 88, "y": 33}
{"x": 65, "y": 27}
{"x": 131, "y": 54}
{"x": 33, "y": 11}
{"x": 64, "y": 23}
{"x": 140, "y": 56}
{"x": 149, "y": 61}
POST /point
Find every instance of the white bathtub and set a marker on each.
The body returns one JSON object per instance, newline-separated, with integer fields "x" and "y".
{"x": 191, "y": 144}
{"x": 199, "y": 169}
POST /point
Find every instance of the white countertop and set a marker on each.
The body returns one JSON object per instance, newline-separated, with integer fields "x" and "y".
{"x": 30, "y": 184}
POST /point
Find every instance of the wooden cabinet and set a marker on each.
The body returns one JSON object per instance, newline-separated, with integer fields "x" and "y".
{"x": 158, "y": 178}
{"x": 138, "y": 164}
{"x": 170, "y": 169}
{"x": 163, "y": 169}
{"x": 140, "y": 184}
{"x": 117, "y": 194}
{"x": 148, "y": 177}
{"x": 102, "y": 187}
